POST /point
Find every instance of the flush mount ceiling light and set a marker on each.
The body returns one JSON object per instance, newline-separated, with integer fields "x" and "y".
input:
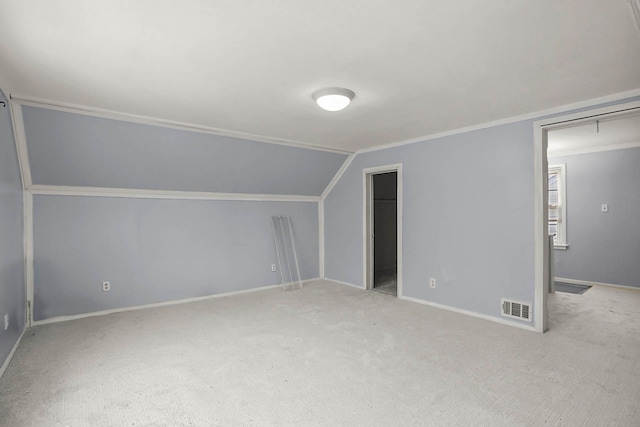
{"x": 333, "y": 98}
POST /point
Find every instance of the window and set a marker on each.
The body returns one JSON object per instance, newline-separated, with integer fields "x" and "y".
{"x": 558, "y": 205}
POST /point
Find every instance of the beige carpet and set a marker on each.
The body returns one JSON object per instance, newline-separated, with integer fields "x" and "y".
{"x": 330, "y": 355}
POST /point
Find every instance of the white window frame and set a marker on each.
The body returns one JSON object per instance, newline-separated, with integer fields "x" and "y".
{"x": 560, "y": 239}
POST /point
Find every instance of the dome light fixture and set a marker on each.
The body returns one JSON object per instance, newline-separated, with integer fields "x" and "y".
{"x": 333, "y": 98}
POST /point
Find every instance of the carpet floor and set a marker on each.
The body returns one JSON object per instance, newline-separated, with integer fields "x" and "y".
{"x": 330, "y": 355}
{"x": 386, "y": 281}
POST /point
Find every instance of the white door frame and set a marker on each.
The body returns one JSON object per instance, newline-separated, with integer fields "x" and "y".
{"x": 541, "y": 241}
{"x": 367, "y": 221}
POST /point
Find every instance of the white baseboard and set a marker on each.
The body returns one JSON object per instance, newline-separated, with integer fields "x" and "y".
{"x": 158, "y": 304}
{"x": 470, "y": 313}
{"x": 11, "y": 353}
{"x": 339, "y": 282}
{"x": 448, "y": 308}
{"x": 588, "y": 283}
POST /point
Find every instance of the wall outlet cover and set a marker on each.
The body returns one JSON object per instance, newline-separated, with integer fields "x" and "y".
{"x": 432, "y": 282}
{"x": 273, "y": 267}
{"x": 106, "y": 286}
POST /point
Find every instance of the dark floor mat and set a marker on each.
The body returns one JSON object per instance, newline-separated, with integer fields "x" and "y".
{"x": 571, "y": 288}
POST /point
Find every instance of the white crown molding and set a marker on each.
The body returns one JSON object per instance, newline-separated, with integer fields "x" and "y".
{"x": 161, "y": 304}
{"x": 59, "y": 190}
{"x": 108, "y": 114}
{"x": 588, "y": 150}
{"x": 529, "y": 116}
{"x": 152, "y": 121}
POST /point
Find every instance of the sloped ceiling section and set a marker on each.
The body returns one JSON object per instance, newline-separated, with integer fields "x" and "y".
{"x": 70, "y": 149}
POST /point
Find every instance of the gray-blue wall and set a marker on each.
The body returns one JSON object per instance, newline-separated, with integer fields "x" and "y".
{"x": 603, "y": 247}
{"x": 467, "y": 218}
{"x": 77, "y": 150}
{"x": 12, "y": 296}
{"x": 154, "y": 250}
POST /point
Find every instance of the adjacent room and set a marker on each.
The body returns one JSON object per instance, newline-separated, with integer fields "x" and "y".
{"x": 347, "y": 213}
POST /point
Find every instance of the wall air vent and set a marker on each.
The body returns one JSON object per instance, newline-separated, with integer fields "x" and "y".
{"x": 517, "y": 310}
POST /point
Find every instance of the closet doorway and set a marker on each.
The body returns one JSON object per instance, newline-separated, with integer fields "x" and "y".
{"x": 383, "y": 230}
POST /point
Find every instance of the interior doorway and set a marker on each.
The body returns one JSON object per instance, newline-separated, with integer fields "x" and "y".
{"x": 383, "y": 225}
{"x": 547, "y": 222}
{"x": 385, "y": 232}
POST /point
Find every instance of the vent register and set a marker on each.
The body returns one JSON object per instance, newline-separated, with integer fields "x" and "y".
{"x": 517, "y": 310}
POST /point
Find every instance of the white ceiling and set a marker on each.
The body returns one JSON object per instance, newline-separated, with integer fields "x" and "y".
{"x": 596, "y": 135}
{"x": 418, "y": 67}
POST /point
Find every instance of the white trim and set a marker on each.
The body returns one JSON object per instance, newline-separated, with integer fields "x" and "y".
{"x": 540, "y": 143}
{"x": 561, "y": 170}
{"x": 469, "y": 313}
{"x": 337, "y": 176}
{"x": 367, "y": 214}
{"x": 27, "y": 215}
{"x": 577, "y": 119}
{"x": 588, "y": 283}
{"x": 340, "y": 282}
{"x": 529, "y": 116}
{"x": 12, "y": 352}
{"x": 154, "y": 121}
{"x": 108, "y": 114}
{"x": 17, "y": 123}
{"x": 448, "y": 308}
{"x": 540, "y": 228}
{"x": 159, "y": 304}
{"x": 588, "y": 150}
{"x": 367, "y": 220}
{"x": 60, "y": 190}
{"x": 321, "y": 237}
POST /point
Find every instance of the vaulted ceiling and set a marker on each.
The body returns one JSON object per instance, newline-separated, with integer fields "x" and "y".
{"x": 418, "y": 67}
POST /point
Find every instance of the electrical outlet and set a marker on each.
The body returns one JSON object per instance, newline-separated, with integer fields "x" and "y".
{"x": 6, "y": 322}
{"x": 604, "y": 207}
{"x": 273, "y": 267}
{"x": 432, "y": 282}
{"x": 106, "y": 286}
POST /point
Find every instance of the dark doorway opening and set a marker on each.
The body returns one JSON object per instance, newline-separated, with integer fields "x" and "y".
{"x": 385, "y": 232}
